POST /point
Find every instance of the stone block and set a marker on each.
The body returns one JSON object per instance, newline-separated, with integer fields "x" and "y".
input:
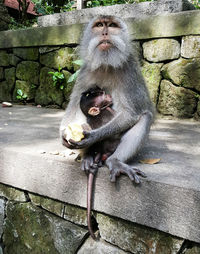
{"x": 75, "y": 214}
{"x": 29, "y": 229}
{"x": 28, "y": 71}
{"x": 13, "y": 60}
{"x": 44, "y": 50}
{"x": 2, "y": 215}
{"x": 193, "y": 250}
{"x": 135, "y": 238}
{"x": 27, "y": 88}
{"x": 161, "y": 50}
{"x": 59, "y": 58}
{"x": 10, "y": 76}
{"x": 176, "y": 101}
{"x": 4, "y": 58}
{"x": 99, "y": 247}
{"x": 1, "y": 73}
{"x": 47, "y": 93}
{"x": 12, "y": 193}
{"x": 5, "y": 91}
{"x": 26, "y": 53}
{"x": 48, "y": 204}
{"x": 190, "y": 46}
{"x": 183, "y": 72}
{"x": 152, "y": 75}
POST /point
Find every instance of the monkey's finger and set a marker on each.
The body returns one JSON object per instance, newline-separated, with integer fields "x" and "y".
{"x": 136, "y": 179}
{"x": 86, "y": 133}
{"x": 139, "y": 172}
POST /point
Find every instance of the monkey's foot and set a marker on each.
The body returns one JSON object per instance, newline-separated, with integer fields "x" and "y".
{"x": 89, "y": 165}
{"x": 117, "y": 167}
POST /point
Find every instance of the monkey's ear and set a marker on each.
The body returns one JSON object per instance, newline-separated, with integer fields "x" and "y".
{"x": 94, "y": 111}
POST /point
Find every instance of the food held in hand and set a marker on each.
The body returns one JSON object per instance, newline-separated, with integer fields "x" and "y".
{"x": 74, "y": 131}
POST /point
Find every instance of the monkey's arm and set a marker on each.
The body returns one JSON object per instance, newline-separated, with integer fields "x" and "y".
{"x": 119, "y": 124}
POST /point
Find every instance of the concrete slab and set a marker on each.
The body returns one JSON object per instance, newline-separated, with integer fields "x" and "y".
{"x": 168, "y": 200}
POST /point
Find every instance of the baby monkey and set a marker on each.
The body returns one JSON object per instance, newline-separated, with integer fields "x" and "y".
{"x": 97, "y": 107}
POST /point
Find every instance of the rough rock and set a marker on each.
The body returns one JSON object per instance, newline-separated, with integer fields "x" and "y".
{"x": 10, "y": 76}
{"x": 12, "y": 193}
{"x": 29, "y": 229}
{"x": 43, "y": 50}
{"x": 48, "y": 204}
{"x": 161, "y": 50}
{"x": 5, "y": 91}
{"x": 183, "y": 72}
{"x": 99, "y": 247}
{"x": 136, "y": 239}
{"x": 68, "y": 86}
{"x": 1, "y": 73}
{"x": 75, "y": 214}
{"x": 152, "y": 75}
{"x": 47, "y": 93}
{"x": 28, "y": 71}
{"x": 176, "y": 101}
{"x": 14, "y": 60}
{"x": 26, "y": 87}
{"x": 2, "y": 215}
{"x": 193, "y": 250}
{"x": 59, "y": 58}
{"x": 190, "y": 46}
{"x": 26, "y": 53}
{"x": 4, "y": 58}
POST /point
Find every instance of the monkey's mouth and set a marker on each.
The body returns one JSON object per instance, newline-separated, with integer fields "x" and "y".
{"x": 104, "y": 45}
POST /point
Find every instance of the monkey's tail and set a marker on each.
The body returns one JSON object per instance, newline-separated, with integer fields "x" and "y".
{"x": 89, "y": 203}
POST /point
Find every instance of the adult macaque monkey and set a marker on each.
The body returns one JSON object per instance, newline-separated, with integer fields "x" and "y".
{"x": 109, "y": 63}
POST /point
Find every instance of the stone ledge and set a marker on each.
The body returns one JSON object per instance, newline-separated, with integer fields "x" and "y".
{"x": 158, "y": 26}
{"x": 167, "y": 200}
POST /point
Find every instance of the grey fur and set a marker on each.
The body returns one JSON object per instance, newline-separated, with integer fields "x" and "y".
{"x": 118, "y": 73}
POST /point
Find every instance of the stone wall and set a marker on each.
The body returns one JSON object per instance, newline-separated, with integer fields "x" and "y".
{"x": 34, "y": 224}
{"x": 171, "y": 67}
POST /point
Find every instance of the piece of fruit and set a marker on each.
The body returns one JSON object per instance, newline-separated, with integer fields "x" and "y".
{"x": 74, "y": 131}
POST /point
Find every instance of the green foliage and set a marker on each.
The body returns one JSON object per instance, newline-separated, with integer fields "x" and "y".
{"x": 21, "y": 96}
{"x": 14, "y": 24}
{"x": 96, "y": 3}
{"x": 74, "y": 76}
{"x": 58, "y": 79}
{"x": 196, "y": 3}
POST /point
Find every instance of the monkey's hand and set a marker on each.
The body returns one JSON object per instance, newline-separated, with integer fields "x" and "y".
{"x": 117, "y": 167}
{"x": 89, "y": 165}
{"x": 88, "y": 140}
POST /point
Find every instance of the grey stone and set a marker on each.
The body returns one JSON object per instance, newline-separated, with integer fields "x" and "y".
{"x": 176, "y": 101}
{"x": 10, "y": 77}
{"x": 152, "y": 75}
{"x": 26, "y": 53}
{"x": 193, "y": 250}
{"x": 13, "y": 60}
{"x": 48, "y": 204}
{"x": 59, "y": 58}
{"x": 5, "y": 91}
{"x": 47, "y": 93}
{"x": 190, "y": 46}
{"x": 28, "y": 71}
{"x": 29, "y": 229}
{"x": 134, "y": 238}
{"x": 2, "y": 215}
{"x": 27, "y": 89}
{"x": 75, "y": 214}
{"x": 43, "y": 50}
{"x": 4, "y": 58}
{"x": 183, "y": 72}
{"x": 1, "y": 73}
{"x": 99, "y": 247}
{"x": 166, "y": 200}
{"x": 135, "y": 10}
{"x": 161, "y": 50}
{"x": 12, "y": 193}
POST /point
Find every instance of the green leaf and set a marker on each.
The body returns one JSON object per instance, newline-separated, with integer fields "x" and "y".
{"x": 79, "y": 62}
{"x": 19, "y": 92}
{"x": 73, "y": 77}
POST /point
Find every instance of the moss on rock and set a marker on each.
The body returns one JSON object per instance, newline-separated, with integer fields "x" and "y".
{"x": 28, "y": 71}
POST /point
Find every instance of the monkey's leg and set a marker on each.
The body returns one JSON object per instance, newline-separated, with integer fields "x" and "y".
{"x": 129, "y": 145}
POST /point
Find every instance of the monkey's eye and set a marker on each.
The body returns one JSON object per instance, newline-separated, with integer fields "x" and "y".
{"x": 99, "y": 24}
{"x": 113, "y": 25}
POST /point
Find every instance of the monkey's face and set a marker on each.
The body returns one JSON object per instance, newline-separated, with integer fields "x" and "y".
{"x": 105, "y": 43}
